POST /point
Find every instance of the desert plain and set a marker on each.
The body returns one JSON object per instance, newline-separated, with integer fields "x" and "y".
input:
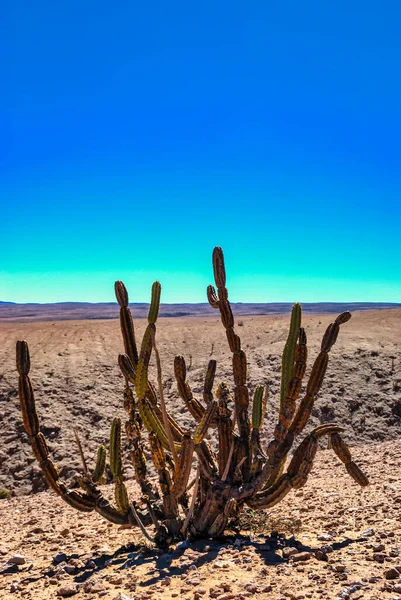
{"x": 330, "y": 539}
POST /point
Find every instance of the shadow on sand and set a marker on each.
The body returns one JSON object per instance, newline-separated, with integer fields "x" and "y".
{"x": 199, "y": 552}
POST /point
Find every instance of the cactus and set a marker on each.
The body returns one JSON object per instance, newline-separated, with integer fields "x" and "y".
{"x": 238, "y": 470}
{"x": 100, "y": 465}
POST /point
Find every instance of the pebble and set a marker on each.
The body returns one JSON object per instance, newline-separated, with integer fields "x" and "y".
{"x": 104, "y": 550}
{"x": 68, "y": 590}
{"x": 60, "y": 557}
{"x": 93, "y": 585}
{"x": 391, "y": 574}
{"x": 17, "y": 559}
{"x": 368, "y": 532}
{"x": 223, "y": 564}
{"x": 301, "y": 556}
{"x": 378, "y": 557}
{"x": 4, "y": 550}
{"x": 287, "y": 552}
{"x": 183, "y": 545}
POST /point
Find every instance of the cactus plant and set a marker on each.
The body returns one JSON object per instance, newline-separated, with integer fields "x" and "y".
{"x": 240, "y": 470}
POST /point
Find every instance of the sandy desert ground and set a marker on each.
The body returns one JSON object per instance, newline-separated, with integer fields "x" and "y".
{"x": 77, "y": 384}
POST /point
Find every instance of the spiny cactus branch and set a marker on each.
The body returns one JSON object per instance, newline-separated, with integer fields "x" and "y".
{"x": 236, "y": 469}
{"x": 167, "y": 425}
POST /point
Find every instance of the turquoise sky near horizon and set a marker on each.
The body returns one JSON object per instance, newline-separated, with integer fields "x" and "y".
{"x": 140, "y": 135}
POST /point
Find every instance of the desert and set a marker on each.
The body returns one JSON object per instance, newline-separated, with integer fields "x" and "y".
{"x": 330, "y": 539}
{"x": 189, "y": 433}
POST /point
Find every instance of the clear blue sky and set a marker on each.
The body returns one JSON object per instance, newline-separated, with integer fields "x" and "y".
{"x": 136, "y": 136}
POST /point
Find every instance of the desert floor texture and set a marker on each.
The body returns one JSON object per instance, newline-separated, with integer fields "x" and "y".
{"x": 331, "y": 539}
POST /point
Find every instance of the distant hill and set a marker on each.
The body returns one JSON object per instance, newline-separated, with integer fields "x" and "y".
{"x": 64, "y": 311}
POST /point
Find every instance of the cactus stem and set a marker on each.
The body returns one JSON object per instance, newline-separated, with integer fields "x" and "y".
{"x": 81, "y": 452}
{"x": 192, "y": 505}
{"x": 162, "y": 402}
{"x": 228, "y": 465}
{"x": 140, "y": 524}
{"x": 153, "y": 516}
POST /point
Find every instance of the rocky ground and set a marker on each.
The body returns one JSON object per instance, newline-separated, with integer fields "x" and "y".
{"x": 331, "y": 539}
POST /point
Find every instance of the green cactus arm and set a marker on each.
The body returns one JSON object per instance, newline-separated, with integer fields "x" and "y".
{"x": 121, "y": 496}
{"x": 154, "y": 303}
{"x": 126, "y": 321}
{"x": 257, "y": 407}
{"x": 116, "y": 465}
{"x": 153, "y": 424}
{"x": 289, "y": 351}
{"x": 100, "y": 464}
{"x": 141, "y": 379}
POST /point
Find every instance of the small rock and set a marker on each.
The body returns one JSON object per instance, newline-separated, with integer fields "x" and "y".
{"x": 104, "y": 550}
{"x": 4, "y": 550}
{"x": 223, "y": 564}
{"x": 70, "y": 569}
{"x": 68, "y": 590}
{"x": 387, "y": 586}
{"x": 320, "y": 555}
{"x": 368, "y": 532}
{"x": 378, "y": 557}
{"x": 252, "y": 587}
{"x": 302, "y": 556}
{"x": 265, "y": 547}
{"x": 37, "y": 530}
{"x": 14, "y": 588}
{"x": 17, "y": 559}
{"x": 287, "y": 552}
{"x": 93, "y": 585}
{"x": 183, "y": 545}
{"x": 59, "y": 558}
{"x": 391, "y": 574}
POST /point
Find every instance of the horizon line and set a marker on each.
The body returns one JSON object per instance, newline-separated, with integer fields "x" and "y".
{"x": 281, "y": 302}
